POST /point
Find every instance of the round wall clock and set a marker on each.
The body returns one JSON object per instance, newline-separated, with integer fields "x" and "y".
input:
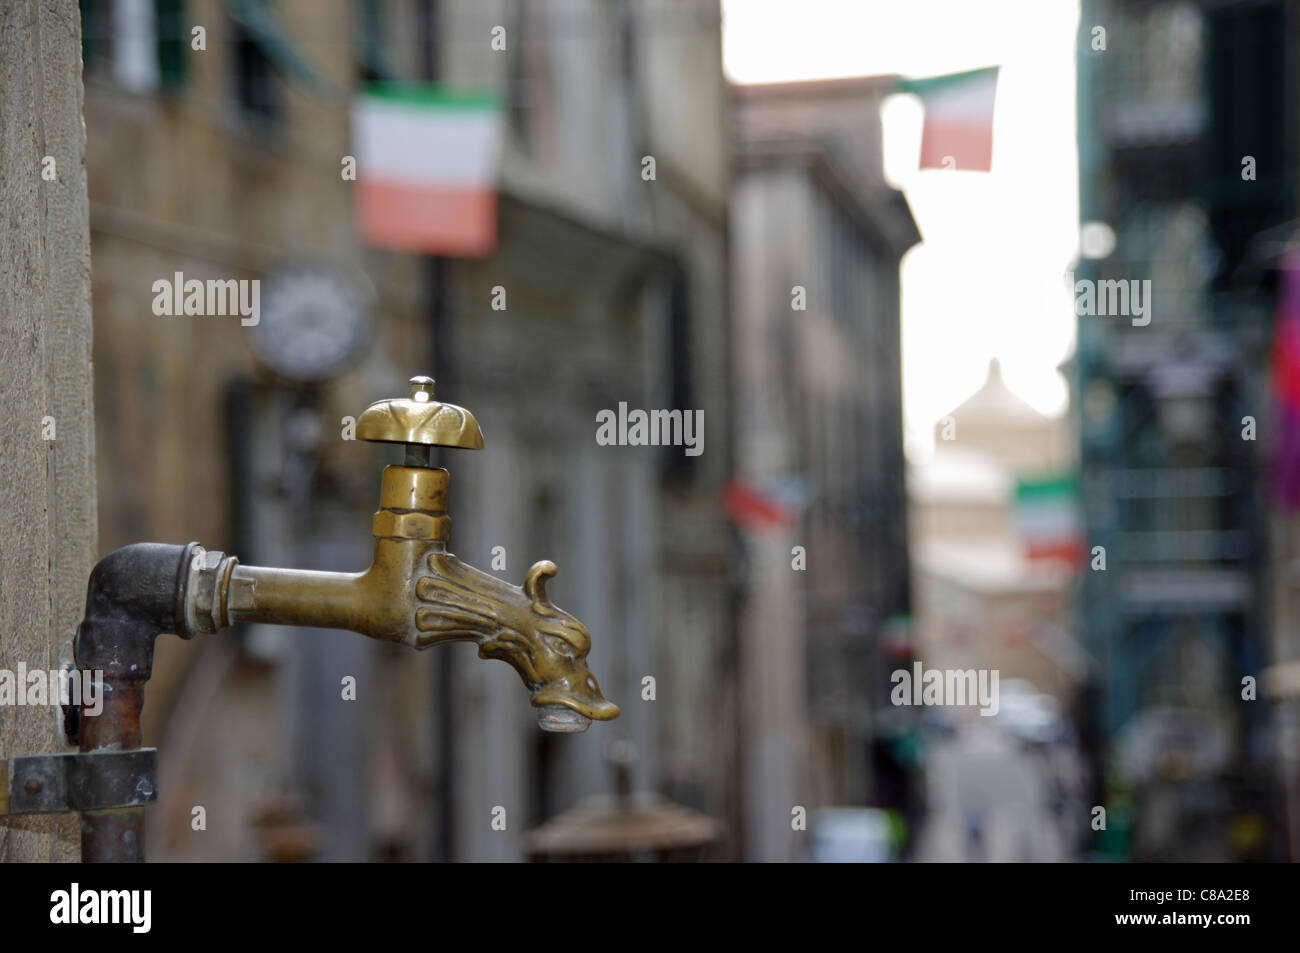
{"x": 314, "y": 324}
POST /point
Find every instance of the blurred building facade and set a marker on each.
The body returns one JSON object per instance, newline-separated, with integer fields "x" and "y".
{"x": 983, "y": 600}
{"x": 224, "y": 162}
{"x": 1269, "y": 253}
{"x": 817, "y": 236}
{"x": 1173, "y": 98}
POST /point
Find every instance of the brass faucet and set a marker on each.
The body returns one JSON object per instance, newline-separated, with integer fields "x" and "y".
{"x": 415, "y": 591}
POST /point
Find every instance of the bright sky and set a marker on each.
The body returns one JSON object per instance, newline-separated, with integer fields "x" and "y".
{"x": 987, "y": 281}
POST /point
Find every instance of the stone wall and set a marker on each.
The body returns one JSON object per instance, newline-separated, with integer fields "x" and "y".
{"x": 47, "y": 486}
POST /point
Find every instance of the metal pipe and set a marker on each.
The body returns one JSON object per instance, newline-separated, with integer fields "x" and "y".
{"x": 133, "y": 594}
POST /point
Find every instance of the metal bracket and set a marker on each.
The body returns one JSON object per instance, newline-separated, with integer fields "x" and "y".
{"x": 78, "y": 781}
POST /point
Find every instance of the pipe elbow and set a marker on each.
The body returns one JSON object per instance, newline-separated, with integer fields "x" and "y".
{"x": 134, "y": 594}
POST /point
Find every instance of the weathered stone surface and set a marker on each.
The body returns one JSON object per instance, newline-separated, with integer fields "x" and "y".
{"x": 47, "y": 487}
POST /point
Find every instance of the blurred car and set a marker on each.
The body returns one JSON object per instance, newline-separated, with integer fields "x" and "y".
{"x": 852, "y": 835}
{"x": 1028, "y": 713}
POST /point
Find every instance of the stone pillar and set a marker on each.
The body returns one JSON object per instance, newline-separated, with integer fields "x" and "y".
{"x": 47, "y": 448}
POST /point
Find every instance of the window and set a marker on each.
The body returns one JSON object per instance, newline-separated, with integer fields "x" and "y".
{"x": 262, "y": 54}
{"x": 173, "y": 42}
{"x": 374, "y": 62}
{"x": 139, "y": 44}
{"x": 256, "y": 88}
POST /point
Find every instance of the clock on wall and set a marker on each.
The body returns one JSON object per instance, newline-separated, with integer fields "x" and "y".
{"x": 314, "y": 323}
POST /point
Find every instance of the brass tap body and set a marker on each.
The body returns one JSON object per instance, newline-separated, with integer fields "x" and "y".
{"x": 415, "y": 591}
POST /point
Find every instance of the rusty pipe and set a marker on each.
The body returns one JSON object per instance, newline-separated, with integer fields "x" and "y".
{"x": 134, "y": 594}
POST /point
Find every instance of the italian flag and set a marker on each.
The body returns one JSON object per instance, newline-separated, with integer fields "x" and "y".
{"x": 427, "y": 164}
{"x": 1046, "y": 514}
{"x": 751, "y": 508}
{"x": 958, "y": 131}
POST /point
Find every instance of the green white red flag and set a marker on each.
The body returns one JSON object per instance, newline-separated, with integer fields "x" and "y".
{"x": 427, "y": 166}
{"x": 958, "y": 130}
{"x": 1046, "y": 515}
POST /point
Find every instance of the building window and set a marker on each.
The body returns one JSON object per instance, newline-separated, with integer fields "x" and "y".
{"x": 139, "y": 44}
{"x": 375, "y": 66}
{"x": 265, "y": 56}
{"x": 173, "y": 42}
{"x": 257, "y": 89}
{"x": 135, "y": 45}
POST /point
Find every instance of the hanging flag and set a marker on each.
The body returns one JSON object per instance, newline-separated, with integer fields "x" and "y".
{"x": 751, "y": 508}
{"x": 1286, "y": 383}
{"x": 1046, "y": 514}
{"x": 958, "y": 130}
{"x": 427, "y": 165}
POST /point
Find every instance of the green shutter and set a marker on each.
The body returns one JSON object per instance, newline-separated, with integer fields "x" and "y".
{"x": 173, "y": 43}
{"x": 92, "y": 32}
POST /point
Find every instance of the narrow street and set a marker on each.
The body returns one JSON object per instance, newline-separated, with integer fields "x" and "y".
{"x": 990, "y": 800}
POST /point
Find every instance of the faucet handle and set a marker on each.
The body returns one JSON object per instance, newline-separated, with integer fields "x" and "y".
{"x": 420, "y": 421}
